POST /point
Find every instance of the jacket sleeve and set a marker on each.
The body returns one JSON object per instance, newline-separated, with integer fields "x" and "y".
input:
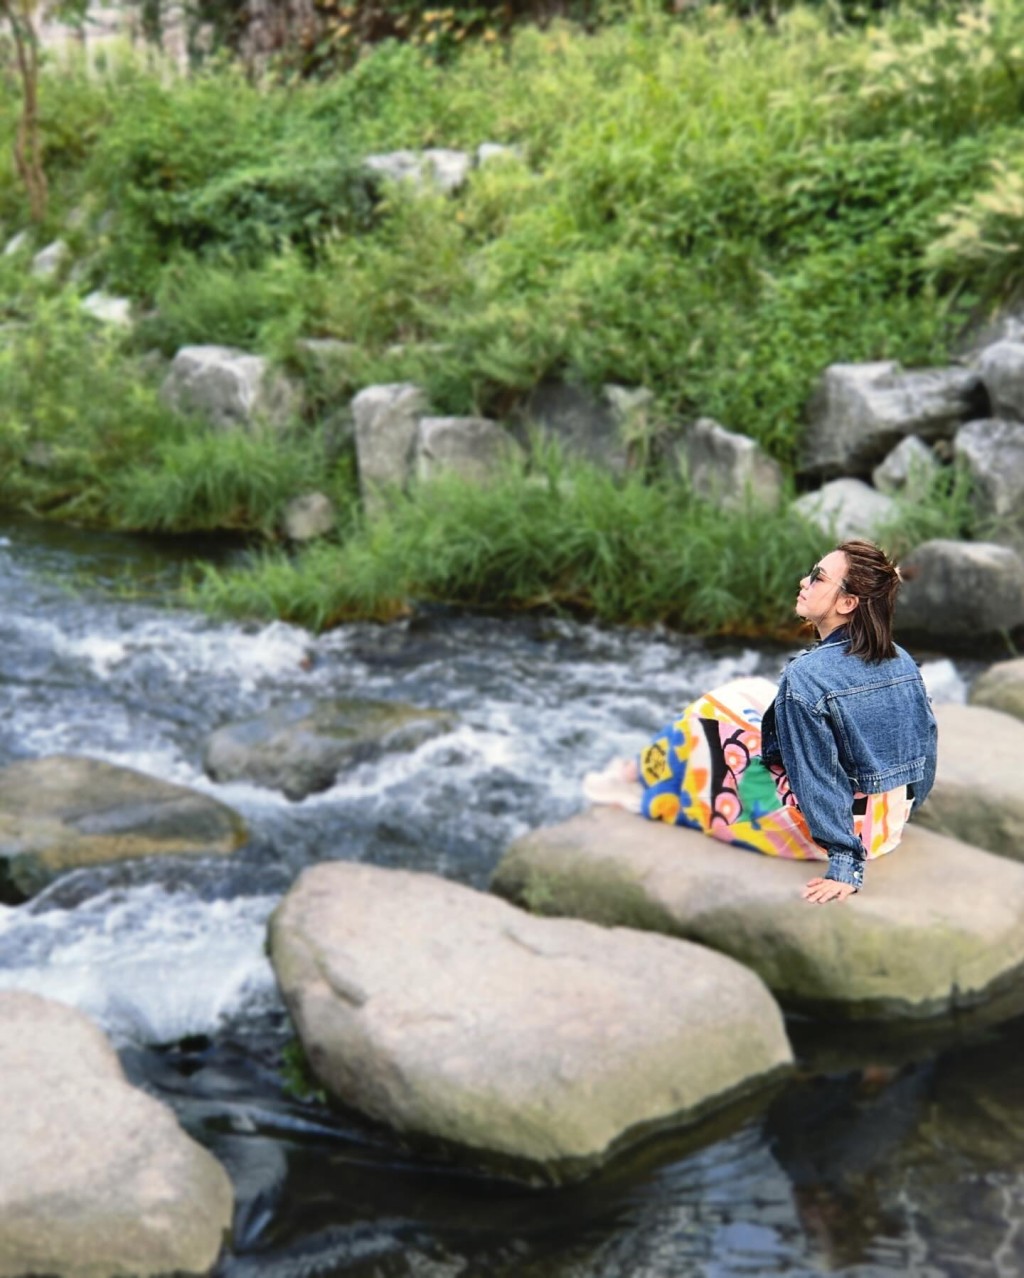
{"x": 810, "y": 757}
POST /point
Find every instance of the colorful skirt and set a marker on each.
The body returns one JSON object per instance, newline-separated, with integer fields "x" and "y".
{"x": 705, "y": 771}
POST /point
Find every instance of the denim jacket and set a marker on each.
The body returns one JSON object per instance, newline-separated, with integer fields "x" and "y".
{"x": 838, "y": 725}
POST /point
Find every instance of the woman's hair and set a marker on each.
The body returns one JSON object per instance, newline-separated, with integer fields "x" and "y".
{"x": 874, "y": 579}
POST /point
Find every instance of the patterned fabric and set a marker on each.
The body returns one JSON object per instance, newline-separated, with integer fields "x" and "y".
{"x": 705, "y": 771}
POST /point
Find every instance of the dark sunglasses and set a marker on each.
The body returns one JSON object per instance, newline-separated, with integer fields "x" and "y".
{"x": 816, "y": 575}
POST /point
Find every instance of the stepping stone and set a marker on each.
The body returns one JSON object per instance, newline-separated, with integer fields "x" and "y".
{"x": 939, "y": 925}
{"x": 978, "y": 795}
{"x": 1001, "y": 688}
{"x": 536, "y": 1046}
{"x": 96, "y": 1177}
{"x": 64, "y": 811}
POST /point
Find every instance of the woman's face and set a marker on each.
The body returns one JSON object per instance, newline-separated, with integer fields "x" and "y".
{"x": 821, "y": 593}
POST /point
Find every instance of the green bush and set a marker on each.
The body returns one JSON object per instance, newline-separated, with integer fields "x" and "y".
{"x": 74, "y": 408}
{"x": 228, "y": 480}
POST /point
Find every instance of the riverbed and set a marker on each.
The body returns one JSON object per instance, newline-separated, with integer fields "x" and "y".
{"x": 885, "y": 1155}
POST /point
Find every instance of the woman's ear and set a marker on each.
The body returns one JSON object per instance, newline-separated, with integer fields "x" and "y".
{"x": 845, "y": 604}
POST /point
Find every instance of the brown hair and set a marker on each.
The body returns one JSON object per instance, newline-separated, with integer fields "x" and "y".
{"x": 875, "y": 580}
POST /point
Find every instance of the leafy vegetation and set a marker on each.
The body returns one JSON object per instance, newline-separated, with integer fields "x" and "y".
{"x": 710, "y": 206}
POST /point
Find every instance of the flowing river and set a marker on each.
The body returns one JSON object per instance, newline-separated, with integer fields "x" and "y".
{"x": 885, "y": 1155}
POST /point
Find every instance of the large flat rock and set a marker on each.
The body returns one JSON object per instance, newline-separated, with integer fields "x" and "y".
{"x": 66, "y": 811}
{"x": 978, "y": 794}
{"x": 542, "y": 1045}
{"x": 939, "y": 925}
{"x": 96, "y": 1177}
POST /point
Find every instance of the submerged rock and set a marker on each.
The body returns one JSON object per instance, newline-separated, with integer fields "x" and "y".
{"x": 544, "y": 1044}
{"x": 978, "y": 793}
{"x": 63, "y": 811}
{"x": 96, "y": 1177}
{"x": 301, "y": 747}
{"x": 939, "y": 925}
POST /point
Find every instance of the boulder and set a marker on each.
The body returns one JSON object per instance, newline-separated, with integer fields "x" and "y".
{"x": 488, "y": 151}
{"x": 61, "y": 812}
{"x": 51, "y": 260}
{"x": 859, "y": 412}
{"x": 542, "y": 1044}
{"x": 729, "y": 469}
{"x": 115, "y": 311}
{"x": 960, "y": 590}
{"x": 1001, "y": 369}
{"x": 19, "y": 243}
{"x": 229, "y": 388}
{"x": 302, "y": 746}
{"x": 908, "y": 470}
{"x": 1001, "y": 687}
{"x": 939, "y": 925}
{"x": 992, "y": 452}
{"x": 473, "y": 447}
{"x": 96, "y": 1177}
{"x": 437, "y": 167}
{"x": 307, "y": 517}
{"x": 607, "y": 429}
{"x": 845, "y": 508}
{"x": 386, "y": 422}
{"x": 978, "y": 794}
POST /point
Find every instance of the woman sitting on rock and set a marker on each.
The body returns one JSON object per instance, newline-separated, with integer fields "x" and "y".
{"x": 827, "y": 767}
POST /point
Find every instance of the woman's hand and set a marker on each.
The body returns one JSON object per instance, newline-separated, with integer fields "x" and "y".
{"x": 821, "y": 891}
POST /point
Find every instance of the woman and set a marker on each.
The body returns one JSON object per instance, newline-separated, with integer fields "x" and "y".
{"x": 829, "y": 768}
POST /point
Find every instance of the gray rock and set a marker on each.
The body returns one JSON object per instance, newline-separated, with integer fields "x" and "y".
{"x": 961, "y": 590}
{"x": 438, "y": 167}
{"x": 229, "y": 388}
{"x": 606, "y": 430}
{"x": 386, "y": 420}
{"x": 845, "y": 508}
{"x": 1001, "y": 369}
{"x": 473, "y": 447}
{"x": 326, "y": 354}
{"x": 310, "y": 516}
{"x": 977, "y": 793}
{"x": 116, "y": 311}
{"x": 908, "y": 470}
{"x": 1001, "y": 688}
{"x": 732, "y": 470}
{"x": 488, "y": 151}
{"x": 19, "y": 243}
{"x": 938, "y": 926}
{"x": 302, "y": 746}
{"x": 96, "y": 1177}
{"x": 61, "y": 812}
{"x": 992, "y": 452}
{"x": 447, "y": 1013}
{"x": 859, "y": 412}
{"x": 51, "y": 260}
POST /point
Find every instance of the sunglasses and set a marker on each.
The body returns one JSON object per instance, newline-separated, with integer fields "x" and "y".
{"x": 816, "y": 575}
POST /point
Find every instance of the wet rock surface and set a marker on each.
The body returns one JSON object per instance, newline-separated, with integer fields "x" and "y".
{"x": 301, "y": 747}
{"x": 62, "y": 812}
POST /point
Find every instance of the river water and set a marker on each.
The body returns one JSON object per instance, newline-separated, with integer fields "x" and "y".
{"x": 883, "y": 1156}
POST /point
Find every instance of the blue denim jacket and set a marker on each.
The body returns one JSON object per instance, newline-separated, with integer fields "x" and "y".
{"x": 838, "y": 725}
